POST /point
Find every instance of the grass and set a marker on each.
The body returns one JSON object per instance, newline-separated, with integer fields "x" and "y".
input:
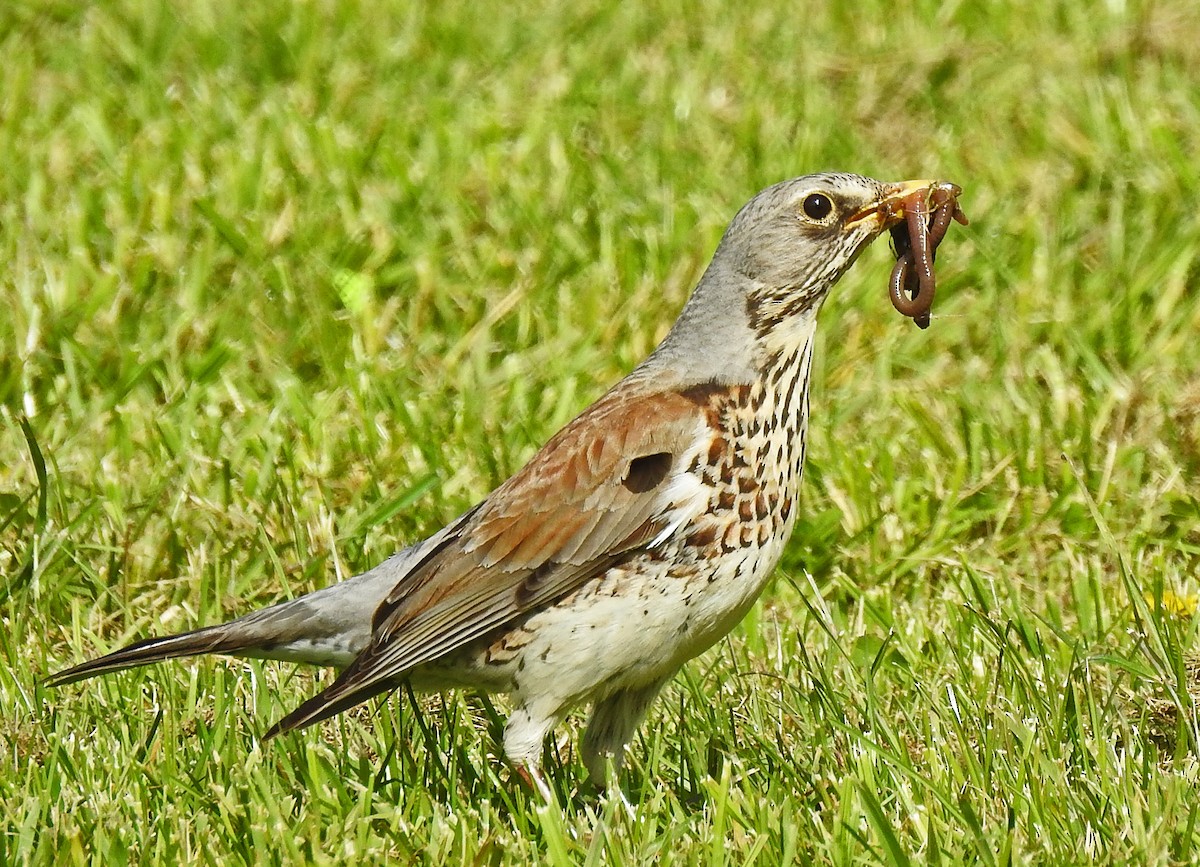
{"x": 288, "y": 285}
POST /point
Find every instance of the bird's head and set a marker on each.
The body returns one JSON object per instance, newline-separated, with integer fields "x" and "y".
{"x": 780, "y": 256}
{"x": 792, "y": 242}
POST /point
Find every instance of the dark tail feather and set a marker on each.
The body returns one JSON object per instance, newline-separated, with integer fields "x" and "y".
{"x": 327, "y": 627}
{"x": 340, "y": 695}
{"x": 211, "y": 639}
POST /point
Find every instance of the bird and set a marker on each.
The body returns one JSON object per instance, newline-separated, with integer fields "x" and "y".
{"x": 633, "y": 540}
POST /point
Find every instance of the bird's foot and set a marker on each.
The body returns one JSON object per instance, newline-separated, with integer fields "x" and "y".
{"x": 615, "y": 790}
{"x": 532, "y": 775}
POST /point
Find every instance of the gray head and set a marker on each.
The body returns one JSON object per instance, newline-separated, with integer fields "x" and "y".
{"x": 777, "y": 261}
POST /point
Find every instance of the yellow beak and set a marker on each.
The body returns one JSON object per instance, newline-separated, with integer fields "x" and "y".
{"x": 889, "y": 210}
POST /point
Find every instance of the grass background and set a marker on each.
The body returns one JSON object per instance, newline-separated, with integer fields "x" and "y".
{"x": 288, "y": 285}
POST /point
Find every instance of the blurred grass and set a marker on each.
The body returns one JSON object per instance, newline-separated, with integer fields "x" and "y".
{"x": 287, "y": 286}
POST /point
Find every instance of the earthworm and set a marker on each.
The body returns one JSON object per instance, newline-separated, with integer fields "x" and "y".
{"x": 912, "y": 283}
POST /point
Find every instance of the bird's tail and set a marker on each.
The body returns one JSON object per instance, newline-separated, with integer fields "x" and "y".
{"x": 328, "y": 627}
{"x": 226, "y": 638}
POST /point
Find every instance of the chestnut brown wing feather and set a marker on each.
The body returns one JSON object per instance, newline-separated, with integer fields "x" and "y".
{"x": 568, "y": 515}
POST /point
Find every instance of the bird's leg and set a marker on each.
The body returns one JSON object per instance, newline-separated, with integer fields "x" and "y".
{"x": 615, "y": 788}
{"x": 613, "y": 784}
{"x": 531, "y": 773}
{"x": 524, "y": 735}
{"x": 611, "y": 726}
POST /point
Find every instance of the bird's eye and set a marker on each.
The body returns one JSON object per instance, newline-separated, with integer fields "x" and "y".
{"x": 817, "y": 206}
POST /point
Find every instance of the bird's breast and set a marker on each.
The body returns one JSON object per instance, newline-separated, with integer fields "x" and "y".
{"x": 750, "y": 468}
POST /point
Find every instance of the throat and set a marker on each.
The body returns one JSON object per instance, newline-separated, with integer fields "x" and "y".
{"x": 785, "y": 343}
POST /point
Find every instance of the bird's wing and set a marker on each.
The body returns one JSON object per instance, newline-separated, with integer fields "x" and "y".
{"x": 613, "y": 481}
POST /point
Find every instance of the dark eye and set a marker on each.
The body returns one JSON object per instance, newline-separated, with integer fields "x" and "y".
{"x": 817, "y": 206}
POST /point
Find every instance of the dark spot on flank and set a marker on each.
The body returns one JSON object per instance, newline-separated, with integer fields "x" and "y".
{"x": 647, "y": 472}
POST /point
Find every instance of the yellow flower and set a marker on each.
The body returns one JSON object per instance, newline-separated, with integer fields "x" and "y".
{"x": 1173, "y": 603}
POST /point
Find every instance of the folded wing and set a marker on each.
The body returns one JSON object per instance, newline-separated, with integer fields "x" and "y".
{"x": 615, "y": 481}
